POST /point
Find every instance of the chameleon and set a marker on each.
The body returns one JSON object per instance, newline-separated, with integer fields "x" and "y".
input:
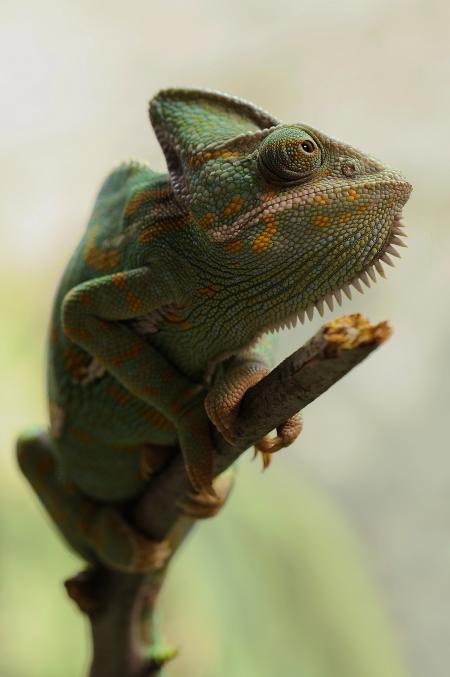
{"x": 168, "y": 309}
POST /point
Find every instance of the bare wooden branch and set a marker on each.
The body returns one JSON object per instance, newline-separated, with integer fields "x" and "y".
{"x": 120, "y": 606}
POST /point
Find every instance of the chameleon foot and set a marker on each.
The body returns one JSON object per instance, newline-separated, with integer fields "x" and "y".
{"x": 222, "y": 402}
{"x": 201, "y": 505}
{"x": 287, "y": 433}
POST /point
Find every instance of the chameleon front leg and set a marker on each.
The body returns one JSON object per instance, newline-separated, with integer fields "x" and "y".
{"x": 241, "y": 373}
{"x": 93, "y": 314}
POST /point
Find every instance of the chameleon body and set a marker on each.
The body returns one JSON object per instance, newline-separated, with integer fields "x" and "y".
{"x": 161, "y": 318}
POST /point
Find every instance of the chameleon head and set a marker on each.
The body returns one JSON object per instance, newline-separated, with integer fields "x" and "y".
{"x": 289, "y": 216}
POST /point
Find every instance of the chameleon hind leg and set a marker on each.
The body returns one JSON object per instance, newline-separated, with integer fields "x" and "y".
{"x": 96, "y": 531}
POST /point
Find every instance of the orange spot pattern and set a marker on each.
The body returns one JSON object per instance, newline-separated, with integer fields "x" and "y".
{"x": 235, "y": 246}
{"x": 129, "y": 354}
{"x": 162, "y": 226}
{"x": 206, "y": 220}
{"x": 234, "y": 206}
{"x": 219, "y": 154}
{"x": 102, "y": 260}
{"x": 76, "y": 363}
{"x": 158, "y": 420}
{"x": 352, "y": 194}
{"x": 321, "y": 199}
{"x": 77, "y": 332}
{"x": 148, "y": 391}
{"x": 321, "y": 220}
{"x": 134, "y": 302}
{"x": 119, "y": 280}
{"x": 119, "y": 396}
{"x": 263, "y": 240}
{"x": 140, "y": 198}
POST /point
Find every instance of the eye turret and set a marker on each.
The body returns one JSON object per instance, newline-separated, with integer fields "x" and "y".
{"x": 289, "y": 155}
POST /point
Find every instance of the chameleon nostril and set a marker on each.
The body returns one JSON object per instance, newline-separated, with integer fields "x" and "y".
{"x": 348, "y": 168}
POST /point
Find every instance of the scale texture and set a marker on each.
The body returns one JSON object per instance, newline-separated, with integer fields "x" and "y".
{"x": 163, "y": 317}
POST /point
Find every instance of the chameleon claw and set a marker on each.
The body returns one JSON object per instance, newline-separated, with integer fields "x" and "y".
{"x": 266, "y": 456}
{"x": 287, "y": 432}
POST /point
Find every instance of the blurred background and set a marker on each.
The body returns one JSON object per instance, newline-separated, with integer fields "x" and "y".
{"x": 336, "y": 561}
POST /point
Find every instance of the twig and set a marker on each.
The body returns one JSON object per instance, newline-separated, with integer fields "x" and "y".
{"x": 120, "y": 606}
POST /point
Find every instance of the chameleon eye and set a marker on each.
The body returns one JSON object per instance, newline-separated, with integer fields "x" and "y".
{"x": 289, "y": 155}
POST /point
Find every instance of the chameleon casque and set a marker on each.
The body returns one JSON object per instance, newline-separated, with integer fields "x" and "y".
{"x": 162, "y": 319}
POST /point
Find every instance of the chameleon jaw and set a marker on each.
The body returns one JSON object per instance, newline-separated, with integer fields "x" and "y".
{"x": 366, "y": 276}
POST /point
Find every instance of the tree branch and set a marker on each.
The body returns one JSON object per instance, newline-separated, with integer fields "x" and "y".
{"x": 120, "y": 606}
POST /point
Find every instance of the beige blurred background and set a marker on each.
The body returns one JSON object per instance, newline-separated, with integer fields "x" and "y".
{"x": 355, "y": 518}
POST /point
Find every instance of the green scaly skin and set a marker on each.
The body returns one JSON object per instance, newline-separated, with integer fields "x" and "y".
{"x": 172, "y": 289}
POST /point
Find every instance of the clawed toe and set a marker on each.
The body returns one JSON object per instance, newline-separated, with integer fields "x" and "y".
{"x": 287, "y": 433}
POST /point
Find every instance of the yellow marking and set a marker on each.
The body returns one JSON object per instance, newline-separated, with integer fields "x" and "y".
{"x": 322, "y": 220}
{"x": 119, "y": 280}
{"x": 235, "y": 246}
{"x": 263, "y": 240}
{"x": 138, "y": 199}
{"x": 344, "y": 217}
{"x": 102, "y": 260}
{"x": 362, "y": 208}
{"x": 234, "y": 206}
{"x": 206, "y": 220}
{"x": 134, "y": 302}
{"x": 162, "y": 226}
{"x": 219, "y": 154}
{"x": 352, "y": 194}
{"x": 321, "y": 199}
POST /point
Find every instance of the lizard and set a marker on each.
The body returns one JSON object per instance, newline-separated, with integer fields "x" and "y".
{"x": 167, "y": 311}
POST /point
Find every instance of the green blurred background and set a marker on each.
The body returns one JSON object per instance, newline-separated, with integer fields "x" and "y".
{"x": 336, "y": 561}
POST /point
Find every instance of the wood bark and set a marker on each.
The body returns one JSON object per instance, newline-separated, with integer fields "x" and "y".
{"x": 119, "y": 606}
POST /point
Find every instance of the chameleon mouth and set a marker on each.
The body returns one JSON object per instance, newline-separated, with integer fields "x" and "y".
{"x": 367, "y": 277}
